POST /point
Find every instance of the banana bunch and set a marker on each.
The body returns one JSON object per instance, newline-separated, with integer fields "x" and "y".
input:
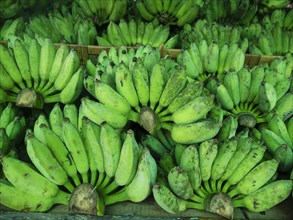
{"x": 26, "y": 189}
{"x": 252, "y": 32}
{"x": 156, "y": 93}
{"x": 135, "y": 33}
{"x": 12, "y": 27}
{"x": 12, "y": 127}
{"x": 278, "y": 140}
{"x": 266, "y": 6}
{"x": 274, "y": 41}
{"x": 170, "y": 12}
{"x": 254, "y": 94}
{"x": 13, "y": 8}
{"x": 232, "y": 173}
{"x": 63, "y": 25}
{"x": 203, "y": 60}
{"x": 212, "y": 32}
{"x": 279, "y": 17}
{"x": 68, "y": 150}
{"x": 36, "y": 72}
{"x": 40, "y": 26}
{"x": 102, "y": 12}
{"x": 238, "y": 12}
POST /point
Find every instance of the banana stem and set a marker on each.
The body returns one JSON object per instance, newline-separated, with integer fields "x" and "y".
{"x": 166, "y": 118}
{"x": 232, "y": 193}
{"x": 161, "y": 136}
{"x": 52, "y": 98}
{"x": 100, "y": 179}
{"x": 110, "y": 188}
{"x": 69, "y": 186}
{"x": 11, "y": 98}
{"x": 214, "y": 185}
{"x": 46, "y": 87}
{"x": 197, "y": 198}
{"x": 120, "y": 196}
{"x": 207, "y": 186}
{"x": 194, "y": 205}
{"x": 41, "y": 85}
{"x": 49, "y": 91}
{"x": 62, "y": 198}
{"x": 133, "y": 116}
{"x": 84, "y": 177}
{"x": 167, "y": 126}
{"x": 93, "y": 177}
{"x": 238, "y": 203}
{"x": 105, "y": 182}
{"x": 226, "y": 187}
{"x": 201, "y": 193}
{"x": 76, "y": 180}
{"x": 219, "y": 185}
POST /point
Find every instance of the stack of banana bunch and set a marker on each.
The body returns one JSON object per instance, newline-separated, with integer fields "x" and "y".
{"x": 212, "y": 32}
{"x": 220, "y": 176}
{"x": 69, "y": 152}
{"x": 237, "y": 11}
{"x": 204, "y": 60}
{"x": 276, "y": 35}
{"x": 178, "y": 12}
{"x": 63, "y": 25}
{"x": 12, "y": 128}
{"x": 282, "y": 18}
{"x": 135, "y": 33}
{"x": 266, "y": 6}
{"x": 34, "y": 72}
{"x": 102, "y": 12}
{"x": 12, "y": 27}
{"x": 156, "y": 93}
{"x": 12, "y": 8}
{"x": 254, "y": 95}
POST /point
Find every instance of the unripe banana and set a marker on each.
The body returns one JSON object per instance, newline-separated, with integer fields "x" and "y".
{"x": 154, "y": 145}
{"x": 224, "y": 97}
{"x": 56, "y": 120}
{"x": 192, "y": 90}
{"x": 257, "y": 76}
{"x": 9, "y": 64}
{"x": 258, "y": 201}
{"x": 75, "y": 146}
{"x": 251, "y": 160}
{"x": 99, "y": 113}
{"x": 111, "y": 147}
{"x": 174, "y": 85}
{"x": 193, "y": 132}
{"x": 125, "y": 85}
{"x": 231, "y": 82}
{"x": 26, "y": 178}
{"x": 244, "y": 81}
{"x": 128, "y": 161}
{"x": 28, "y": 201}
{"x": 256, "y": 178}
{"x": 192, "y": 111}
{"x": 267, "y": 97}
{"x": 108, "y": 96}
{"x": 212, "y": 58}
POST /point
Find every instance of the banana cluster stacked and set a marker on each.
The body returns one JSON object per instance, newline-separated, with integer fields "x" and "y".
{"x": 12, "y": 128}
{"x": 237, "y": 11}
{"x": 279, "y": 17}
{"x": 101, "y": 12}
{"x": 232, "y": 173}
{"x": 212, "y": 32}
{"x": 135, "y": 33}
{"x": 68, "y": 151}
{"x": 253, "y": 94}
{"x": 12, "y": 8}
{"x": 34, "y": 72}
{"x": 203, "y": 60}
{"x": 266, "y": 6}
{"x": 12, "y": 27}
{"x": 178, "y": 12}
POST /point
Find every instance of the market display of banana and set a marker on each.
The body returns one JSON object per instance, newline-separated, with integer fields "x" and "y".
{"x": 226, "y": 171}
{"x": 33, "y": 68}
{"x": 170, "y": 12}
{"x": 206, "y": 127}
{"x": 135, "y": 33}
